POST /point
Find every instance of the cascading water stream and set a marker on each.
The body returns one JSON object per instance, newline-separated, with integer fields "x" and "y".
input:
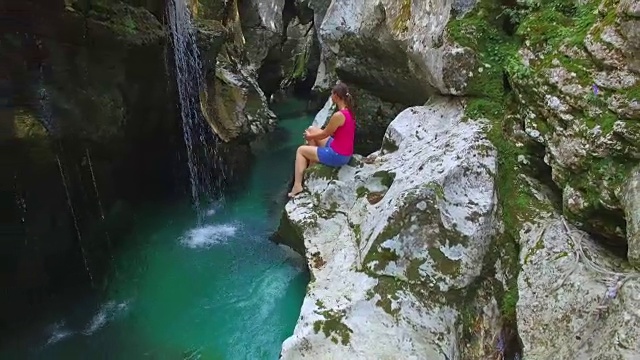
{"x": 197, "y": 136}
{"x": 75, "y": 219}
{"x": 95, "y": 188}
{"x": 22, "y": 205}
{"x": 46, "y": 118}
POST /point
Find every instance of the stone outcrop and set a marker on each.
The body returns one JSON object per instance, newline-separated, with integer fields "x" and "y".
{"x": 394, "y": 242}
{"x": 404, "y": 244}
{"x": 576, "y": 300}
{"x": 85, "y": 94}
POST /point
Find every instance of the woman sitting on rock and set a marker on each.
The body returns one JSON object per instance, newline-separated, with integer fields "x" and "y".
{"x": 332, "y": 146}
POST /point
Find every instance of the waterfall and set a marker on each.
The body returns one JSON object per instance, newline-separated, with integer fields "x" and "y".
{"x": 95, "y": 188}
{"x": 200, "y": 141}
{"x": 75, "y": 219}
{"x": 44, "y": 105}
{"x": 21, "y": 203}
{"x": 47, "y": 120}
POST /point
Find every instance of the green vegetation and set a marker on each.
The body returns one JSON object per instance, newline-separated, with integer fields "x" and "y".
{"x": 333, "y": 327}
{"x": 362, "y": 191}
{"x": 444, "y": 265}
{"x": 389, "y": 146}
{"x": 320, "y": 171}
{"x": 386, "y": 177}
{"x": 387, "y": 288}
{"x": 401, "y": 22}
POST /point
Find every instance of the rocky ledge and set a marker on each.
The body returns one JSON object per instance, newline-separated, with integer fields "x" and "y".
{"x": 410, "y": 258}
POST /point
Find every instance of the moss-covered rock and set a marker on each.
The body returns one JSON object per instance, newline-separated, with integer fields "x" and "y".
{"x": 579, "y": 105}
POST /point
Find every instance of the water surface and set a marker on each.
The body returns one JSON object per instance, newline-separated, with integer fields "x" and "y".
{"x": 215, "y": 290}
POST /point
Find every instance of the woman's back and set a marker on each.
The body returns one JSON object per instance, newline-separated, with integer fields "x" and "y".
{"x": 344, "y": 136}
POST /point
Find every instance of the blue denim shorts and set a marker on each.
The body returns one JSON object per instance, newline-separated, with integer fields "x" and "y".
{"x": 329, "y": 157}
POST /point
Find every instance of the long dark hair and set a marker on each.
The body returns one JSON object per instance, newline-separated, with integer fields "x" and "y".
{"x": 342, "y": 91}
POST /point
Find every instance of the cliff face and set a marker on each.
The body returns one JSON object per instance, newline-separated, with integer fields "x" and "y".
{"x": 550, "y": 88}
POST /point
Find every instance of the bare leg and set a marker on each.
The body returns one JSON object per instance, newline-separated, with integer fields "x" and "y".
{"x": 319, "y": 143}
{"x": 304, "y": 155}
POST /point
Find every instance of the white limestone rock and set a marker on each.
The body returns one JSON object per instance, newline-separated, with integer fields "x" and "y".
{"x": 631, "y": 203}
{"x": 389, "y": 244}
{"x": 397, "y": 48}
{"x": 565, "y": 277}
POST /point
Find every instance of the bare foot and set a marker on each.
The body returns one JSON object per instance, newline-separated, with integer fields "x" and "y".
{"x": 295, "y": 191}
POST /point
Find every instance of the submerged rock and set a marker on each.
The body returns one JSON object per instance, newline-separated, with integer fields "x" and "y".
{"x": 393, "y": 244}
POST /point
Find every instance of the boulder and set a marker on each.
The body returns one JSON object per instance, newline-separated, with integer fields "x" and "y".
{"x": 393, "y": 243}
{"x": 395, "y": 49}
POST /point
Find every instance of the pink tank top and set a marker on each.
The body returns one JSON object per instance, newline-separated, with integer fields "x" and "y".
{"x": 344, "y": 135}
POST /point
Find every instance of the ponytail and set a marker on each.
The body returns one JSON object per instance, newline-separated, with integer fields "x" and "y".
{"x": 342, "y": 91}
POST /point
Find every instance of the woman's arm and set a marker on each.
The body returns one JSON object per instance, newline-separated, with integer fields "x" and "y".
{"x": 335, "y": 122}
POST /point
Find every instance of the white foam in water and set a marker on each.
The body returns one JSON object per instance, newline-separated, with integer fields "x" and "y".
{"x": 106, "y": 313}
{"x": 58, "y": 332}
{"x": 209, "y": 235}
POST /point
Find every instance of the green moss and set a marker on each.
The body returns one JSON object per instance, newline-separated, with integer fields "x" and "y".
{"x": 539, "y": 245}
{"x": 436, "y": 188}
{"x": 445, "y": 265}
{"x": 509, "y": 302}
{"x": 389, "y": 146}
{"x": 550, "y": 23}
{"x": 386, "y": 177}
{"x": 132, "y": 23}
{"x": 632, "y": 93}
{"x": 362, "y": 191}
{"x": 289, "y": 234}
{"x": 320, "y": 171}
{"x": 357, "y": 231}
{"x": 481, "y": 31}
{"x": 387, "y": 289}
{"x": 333, "y": 327}
{"x": 401, "y": 22}
{"x": 382, "y": 257}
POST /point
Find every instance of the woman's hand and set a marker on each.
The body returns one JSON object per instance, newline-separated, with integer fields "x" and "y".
{"x": 306, "y": 134}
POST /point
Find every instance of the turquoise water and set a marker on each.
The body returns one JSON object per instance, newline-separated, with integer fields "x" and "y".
{"x": 219, "y": 290}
